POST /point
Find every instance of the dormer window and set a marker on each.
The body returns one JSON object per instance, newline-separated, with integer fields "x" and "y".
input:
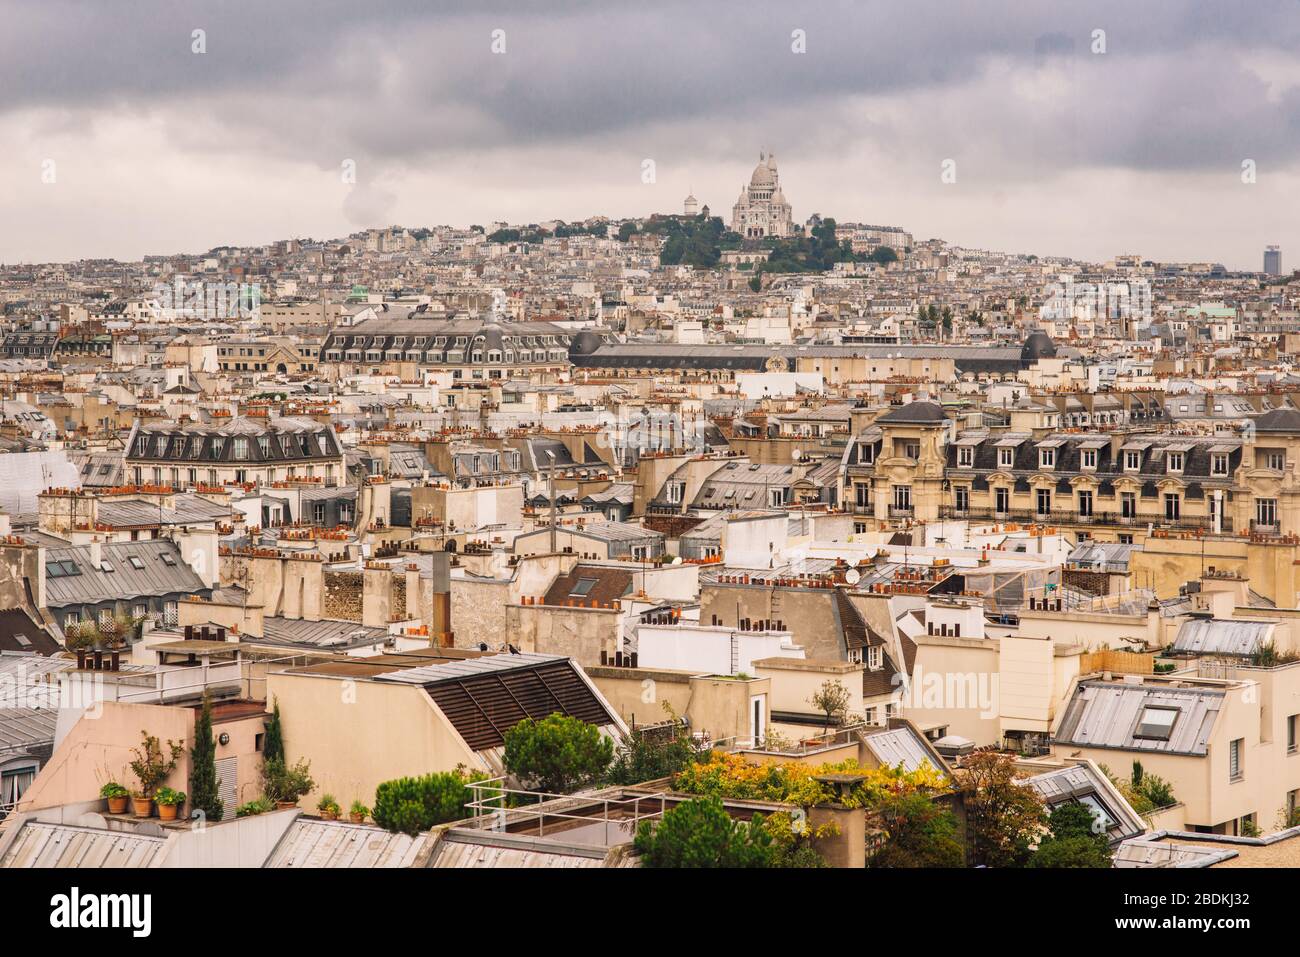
{"x": 1132, "y": 461}
{"x": 1047, "y": 458}
{"x": 1006, "y": 458}
{"x": 875, "y": 658}
{"x": 1175, "y": 462}
{"x": 965, "y": 456}
{"x": 1088, "y": 459}
{"x": 1219, "y": 463}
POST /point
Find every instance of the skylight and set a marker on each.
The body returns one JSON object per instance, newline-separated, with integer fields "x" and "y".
{"x": 1156, "y": 723}
{"x": 583, "y": 587}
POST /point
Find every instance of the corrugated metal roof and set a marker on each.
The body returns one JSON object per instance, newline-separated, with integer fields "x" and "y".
{"x": 899, "y": 746}
{"x": 39, "y": 844}
{"x": 313, "y": 843}
{"x": 454, "y": 852}
{"x": 124, "y": 582}
{"x": 325, "y": 633}
{"x": 1106, "y": 715}
{"x": 1222, "y": 636}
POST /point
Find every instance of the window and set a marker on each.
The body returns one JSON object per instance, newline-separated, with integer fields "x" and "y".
{"x": 13, "y": 782}
{"x": 241, "y": 448}
{"x": 1043, "y": 501}
{"x": 1218, "y": 464}
{"x": 1085, "y": 503}
{"x": 1088, "y": 459}
{"x": 675, "y": 490}
{"x": 136, "y": 562}
{"x": 582, "y": 587}
{"x": 1290, "y": 734}
{"x": 965, "y": 456}
{"x": 168, "y": 560}
{"x": 318, "y": 513}
{"x": 1265, "y": 511}
{"x": 1001, "y": 499}
{"x": 875, "y": 658}
{"x": 903, "y": 497}
{"x": 1047, "y": 458}
{"x": 1173, "y": 506}
{"x": 1174, "y": 462}
{"x": 1132, "y": 460}
{"x": 962, "y": 494}
{"x": 1235, "y": 770}
{"x": 1156, "y": 723}
{"x": 1128, "y": 506}
{"x": 1124, "y": 539}
{"x": 1006, "y": 458}
{"x": 1275, "y": 460}
{"x": 912, "y": 450}
{"x": 862, "y": 495}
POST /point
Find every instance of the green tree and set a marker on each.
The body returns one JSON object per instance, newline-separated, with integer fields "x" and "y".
{"x": 918, "y": 833}
{"x": 831, "y": 699}
{"x": 412, "y": 805}
{"x": 883, "y": 255}
{"x": 273, "y": 740}
{"x": 1077, "y": 839}
{"x": 700, "y": 833}
{"x": 1003, "y": 816}
{"x": 204, "y": 787}
{"x": 558, "y": 754}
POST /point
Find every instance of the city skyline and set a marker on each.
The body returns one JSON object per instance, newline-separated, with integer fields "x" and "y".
{"x": 504, "y": 114}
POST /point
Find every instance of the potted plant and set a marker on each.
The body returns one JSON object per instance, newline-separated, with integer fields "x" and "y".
{"x": 151, "y": 768}
{"x": 328, "y": 807}
{"x": 286, "y": 783}
{"x": 169, "y": 803}
{"x": 116, "y": 796}
{"x": 358, "y": 812}
{"x": 78, "y": 639}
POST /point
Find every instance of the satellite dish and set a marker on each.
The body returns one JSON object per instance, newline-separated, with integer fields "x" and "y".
{"x": 852, "y": 576}
{"x": 677, "y": 560}
{"x": 797, "y": 454}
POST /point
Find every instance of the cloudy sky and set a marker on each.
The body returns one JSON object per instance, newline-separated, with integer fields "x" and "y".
{"x": 1057, "y": 149}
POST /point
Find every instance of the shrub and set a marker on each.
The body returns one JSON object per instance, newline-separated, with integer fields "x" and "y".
{"x": 151, "y": 766}
{"x": 1077, "y": 839}
{"x": 558, "y": 754}
{"x": 167, "y": 796}
{"x": 700, "y": 833}
{"x": 412, "y": 805}
{"x": 260, "y": 806}
{"x": 286, "y": 782}
{"x": 917, "y": 833}
{"x": 657, "y": 753}
{"x": 113, "y": 790}
{"x": 1003, "y": 817}
{"x": 327, "y": 804}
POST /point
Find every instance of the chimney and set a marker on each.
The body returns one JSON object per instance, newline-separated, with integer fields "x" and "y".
{"x": 96, "y": 553}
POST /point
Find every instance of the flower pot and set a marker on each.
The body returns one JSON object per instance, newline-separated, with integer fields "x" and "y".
{"x": 142, "y": 806}
{"x": 329, "y": 815}
{"x": 168, "y": 812}
{"x": 117, "y": 805}
{"x": 357, "y": 818}
{"x": 285, "y": 805}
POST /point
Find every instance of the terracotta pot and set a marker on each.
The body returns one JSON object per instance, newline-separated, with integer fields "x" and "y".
{"x": 285, "y": 805}
{"x": 329, "y": 815}
{"x": 168, "y": 812}
{"x": 142, "y": 806}
{"x": 357, "y": 818}
{"x": 117, "y": 805}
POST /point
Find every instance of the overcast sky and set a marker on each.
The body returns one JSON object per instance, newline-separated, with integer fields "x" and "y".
{"x": 1057, "y": 149}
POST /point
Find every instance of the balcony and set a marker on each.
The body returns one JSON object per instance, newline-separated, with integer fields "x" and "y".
{"x": 901, "y": 511}
{"x": 1063, "y": 517}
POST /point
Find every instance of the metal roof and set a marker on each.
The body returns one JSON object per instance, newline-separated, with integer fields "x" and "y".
{"x": 124, "y": 582}
{"x": 326, "y": 633}
{"x": 313, "y": 843}
{"x": 1222, "y": 636}
{"x": 898, "y": 746}
{"x": 485, "y": 697}
{"x": 1106, "y": 714}
{"x": 38, "y": 844}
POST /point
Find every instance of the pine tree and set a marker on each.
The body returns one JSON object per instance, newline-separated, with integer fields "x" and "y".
{"x": 273, "y": 743}
{"x": 204, "y": 788}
